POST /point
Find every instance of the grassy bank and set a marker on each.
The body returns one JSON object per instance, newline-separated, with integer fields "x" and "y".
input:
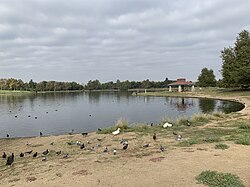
{"x": 13, "y": 92}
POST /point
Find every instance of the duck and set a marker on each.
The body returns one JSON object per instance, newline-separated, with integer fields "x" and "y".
{"x": 154, "y": 136}
{"x": 4, "y": 155}
{"x": 116, "y": 132}
{"x": 10, "y": 160}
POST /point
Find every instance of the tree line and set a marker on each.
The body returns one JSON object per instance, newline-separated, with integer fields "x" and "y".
{"x": 18, "y": 84}
{"x": 125, "y": 85}
{"x": 235, "y": 65}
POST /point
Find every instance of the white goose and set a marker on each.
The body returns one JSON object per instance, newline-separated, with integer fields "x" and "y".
{"x": 167, "y": 125}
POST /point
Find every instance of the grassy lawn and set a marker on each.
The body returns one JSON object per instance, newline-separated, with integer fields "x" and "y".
{"x": 11, "y": 92}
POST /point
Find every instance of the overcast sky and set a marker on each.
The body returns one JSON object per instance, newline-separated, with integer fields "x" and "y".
{"x": 79, "y": 40}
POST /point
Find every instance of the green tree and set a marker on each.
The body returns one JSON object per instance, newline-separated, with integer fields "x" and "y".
{"x": 236, "y": 62}
{"x": 206, "y": 78}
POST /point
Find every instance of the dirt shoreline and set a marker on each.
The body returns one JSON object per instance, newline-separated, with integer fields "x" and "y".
{"x": 136, "y": 166}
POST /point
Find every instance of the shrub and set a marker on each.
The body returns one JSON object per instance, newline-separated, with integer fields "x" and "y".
{"x": 217, "y": 179}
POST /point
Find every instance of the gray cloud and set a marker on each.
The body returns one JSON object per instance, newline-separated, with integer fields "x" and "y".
{"x": 107, "y": 40}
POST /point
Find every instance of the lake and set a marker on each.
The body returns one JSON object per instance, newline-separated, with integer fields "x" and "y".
{"x": 57, "y": 113}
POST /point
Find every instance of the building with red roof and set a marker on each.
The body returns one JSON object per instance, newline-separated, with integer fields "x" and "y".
{"x": 182, "y": 85}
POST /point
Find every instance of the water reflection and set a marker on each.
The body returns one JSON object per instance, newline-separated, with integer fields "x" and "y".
{"x": 207, "y": 105}
{"x": 181, "y": 103}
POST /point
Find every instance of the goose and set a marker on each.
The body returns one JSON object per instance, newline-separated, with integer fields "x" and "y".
{"x": 10, "y": 160}
{"x": 41, "y": 133}
{"x": 99, "y": 129}
{"x": 116, "y": 132}
{"x": 114, "y": 151}
{"x": 154, "y": 136}
{"x": 78, "y": 143}
{"x": 58, "y": 152}
{"x": 44, "y": 158}
{"x": 66, "y": 155}
{"x": 71, "y": 132}
{"x": 84, "y": 133}
{"x": 178, "y": 137}
{"x": 165, "y": 125}
{"x": 7, "y": 135}
{"x": 21, "y": 154}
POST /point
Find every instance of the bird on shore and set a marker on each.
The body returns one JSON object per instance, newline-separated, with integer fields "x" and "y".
{"x": 21, "y": 154}
{"x": 29, "y": 152}
{"x": 4, "y": 155}
{"x": 82, "y": 146}
{"x": 188, "y": 123}
{"x": 84, "y": 133}
{"x": 10, "y": 160}
{"x": 66, "y": 155}
{"x": 116, "y": 132}
{"x": 125, "y": 145}
{"x": 178, "y": 137}
{"x": 165, "y": 125}
{"x": 58, "y": 152}
{"x": 114, "y": 151}
{"x": 146, "y": 145}
{"x": 152, "y": 124}
{"x": 154, "y": 136}
{"x": 7, "y": 135}
{"x": 44, "y": 158}
{"x": 123, "y": 140}
{"x": 105, "y": 149}
{"x": 161, "y": 148}
{"x": 41, "y": 133}
{"x": 35, "y": 155}
{"x": 78, "y": 143}
{"x": 45, "y": 152}
{"x": 99, "y": 129}
{"x": 71, "y": 132}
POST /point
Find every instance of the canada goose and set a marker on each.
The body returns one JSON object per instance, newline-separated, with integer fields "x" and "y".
{"x": 154, "y": 136}
{"x": 4, "y": 155}
{"x": 35, "y": 155}
{"x": 10, "y": 160}
{"x": 21, "y": 154}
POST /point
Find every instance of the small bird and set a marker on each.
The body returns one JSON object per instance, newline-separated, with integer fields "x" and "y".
{"x": 99, "y": 129}
{"x": 21, "y": 154}
{"x": 66, "y": 155}
{"x": 146, "y": 145}
{"x": 161, "y": 148}
{"x": 105, "y": 149}
{"x": 10, "y": 160}
{"x": 125, "y": 145}
{"x": 114, "y": 151}
{"x": 29, "y": 152}
{"x": 45, "y": 152}
{"x": 70, "y": 143}
{"x": 4, "y": 155}
{"x": 174, "y": 133}
{"x": 58, "y": 152}
{"x": 41, "y": 133}
{"x": 154, "y": 136}
{"x": 84, "y": 133}
{"x": 35, "y": 155}
{"x": 99, "y": 139}
{"x": 7, "y": 135}
{"x": 82, "y": 146}
{"x": 116, "y": 132}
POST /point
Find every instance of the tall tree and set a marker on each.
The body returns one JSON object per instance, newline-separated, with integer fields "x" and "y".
{"x": 236, "y": 62}
{"x": 206, "y": 78}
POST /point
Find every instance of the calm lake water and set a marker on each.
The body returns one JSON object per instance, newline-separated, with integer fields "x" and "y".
{"x": 57, "y": 113}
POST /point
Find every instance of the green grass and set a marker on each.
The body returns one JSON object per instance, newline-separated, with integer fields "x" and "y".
{"x": 217, "y": 179}
{"x": 221, "y": 146}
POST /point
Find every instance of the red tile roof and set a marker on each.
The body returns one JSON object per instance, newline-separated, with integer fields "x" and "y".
{"x": 181, "y": 82}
